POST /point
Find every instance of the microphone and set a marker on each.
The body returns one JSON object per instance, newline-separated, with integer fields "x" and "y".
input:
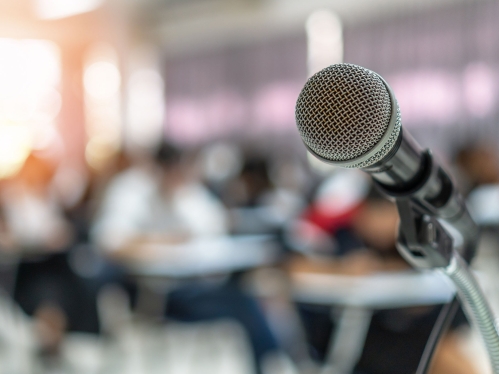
{"x": 348, "y": 116}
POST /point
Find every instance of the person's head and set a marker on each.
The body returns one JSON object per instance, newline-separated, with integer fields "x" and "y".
{"x": 479, "y": 163}
{"x": 254, "y": 175}
{"x": 168, "y": 158}
{"x": 376, "y": 223}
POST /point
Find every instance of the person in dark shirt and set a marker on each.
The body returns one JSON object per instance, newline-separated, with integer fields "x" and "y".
{"x": 396, "y": 337}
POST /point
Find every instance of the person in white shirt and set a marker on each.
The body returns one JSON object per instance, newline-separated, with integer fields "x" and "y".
{"x": 162, "y": 202}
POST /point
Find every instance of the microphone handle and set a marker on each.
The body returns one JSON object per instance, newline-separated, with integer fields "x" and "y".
{"x": 402, "y": 169}
{"x": 410, "y": 172}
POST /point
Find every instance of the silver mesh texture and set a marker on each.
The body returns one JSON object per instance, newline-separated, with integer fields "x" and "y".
{"x": 343, "y": 112}
{"x": 385, "y": 149}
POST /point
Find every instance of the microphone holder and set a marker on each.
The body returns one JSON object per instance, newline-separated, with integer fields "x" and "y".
{"x": 426, "y": 244}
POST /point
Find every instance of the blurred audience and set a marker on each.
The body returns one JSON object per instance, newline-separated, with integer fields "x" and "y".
{"x": 156, "y": 200}
{"x": 263, "y": 198}
{"x": 163, "y": 202}
{"x": 354, "y": 236}
{"x": 477, "y": 165}
{"x": 478, "y": 168}
{"x": 43, "y": 236}
{"x": 76, "y": 231}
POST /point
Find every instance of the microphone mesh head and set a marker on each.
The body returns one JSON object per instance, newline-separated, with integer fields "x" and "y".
{"x": 343, "y": 112}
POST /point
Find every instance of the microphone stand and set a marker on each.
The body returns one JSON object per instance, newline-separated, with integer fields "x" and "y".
{"x": 425, "y": 243}
{"x": 437, "y": 232}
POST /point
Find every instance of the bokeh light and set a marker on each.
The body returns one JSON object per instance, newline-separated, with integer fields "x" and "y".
{"x": 145, "y": 110}
{"x": 29, "y": 98}
{"x": 324, "y": 40}
{"x": 102, "y": 80}
{"x": 103, "y": 117}
{"x": 52, "y": 9}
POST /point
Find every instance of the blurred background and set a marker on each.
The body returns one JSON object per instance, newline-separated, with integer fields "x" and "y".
{"x": 159, "y": 212}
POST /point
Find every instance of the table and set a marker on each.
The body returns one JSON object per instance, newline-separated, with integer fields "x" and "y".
{"x": 360, "y": 295}
{"x": 205, "y": 256}
{"x": 159, "y": 267}
{"x": 375, "y": 291}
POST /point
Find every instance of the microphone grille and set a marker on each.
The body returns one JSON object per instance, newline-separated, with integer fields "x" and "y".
{"x": 343, "y": 112}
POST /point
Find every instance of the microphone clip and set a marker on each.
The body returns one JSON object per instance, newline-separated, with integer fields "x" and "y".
{"x": 432, "y": 206}
{"x": 422, "y": 241}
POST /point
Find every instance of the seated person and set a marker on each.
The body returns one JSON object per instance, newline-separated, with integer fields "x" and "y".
{"x": 364, "y": 243}
{"x": 37, "y": 230}
{"x": 162, "y": 202}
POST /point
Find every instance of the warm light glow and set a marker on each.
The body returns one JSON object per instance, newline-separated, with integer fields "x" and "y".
{"x": 98, "y": 151}
{"x": 52, "y": 9}
{"x": 145, "y": 109}
{"x": 15, "y": 146}
{"x": 29, "y": 99}
{"x": 48, "y": 106}
{"x": 324, "y": 40}
{"x": 102, "y": 80}
{"x": 29, "y": 71}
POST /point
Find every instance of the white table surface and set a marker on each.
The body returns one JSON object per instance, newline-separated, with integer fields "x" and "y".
{"x": 207, "y": 256}
{"x": 376, "y": 291}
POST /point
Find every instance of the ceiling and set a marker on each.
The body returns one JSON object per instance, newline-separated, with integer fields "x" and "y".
{"x": 188, "y": 25}
{"x": 183, "y": 26}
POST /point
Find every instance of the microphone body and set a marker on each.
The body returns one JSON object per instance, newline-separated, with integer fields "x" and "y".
{"x": 348, "y": 116}
{"x": 409, "y": 172}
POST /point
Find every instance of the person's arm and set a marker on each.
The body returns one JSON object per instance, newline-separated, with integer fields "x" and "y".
{"x": 449, "y": 357}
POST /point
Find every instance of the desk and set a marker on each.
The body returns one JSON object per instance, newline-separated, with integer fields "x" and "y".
{"x": 159, "y": 267}
{"x": 359, "y": 296}
{"x": 375, "y": 291}
{"x": 205, "y": 256}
